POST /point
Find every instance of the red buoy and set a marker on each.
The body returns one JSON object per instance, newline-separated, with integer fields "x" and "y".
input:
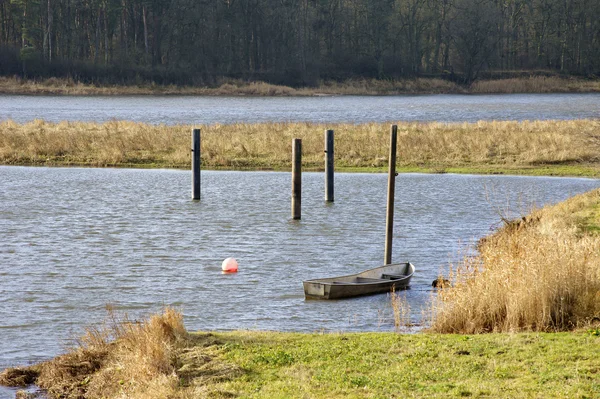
{"x": 229, "y": 265}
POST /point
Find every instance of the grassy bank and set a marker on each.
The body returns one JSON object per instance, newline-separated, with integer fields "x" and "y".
{"x": 533, "y": 84}
{"x": 538, "y": 273}
{"x": 159, "y": 359}
{"x": 561, "y": 148}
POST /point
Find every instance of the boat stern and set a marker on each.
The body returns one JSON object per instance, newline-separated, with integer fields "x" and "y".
{"x": 314, "y": 290}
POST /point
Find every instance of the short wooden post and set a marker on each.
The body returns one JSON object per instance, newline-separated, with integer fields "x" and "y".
{"x": 329, "y": 165}
{"x": 389, "y": 221}
{"x": 195, "y": 164}
{"x": 296, "y": 179}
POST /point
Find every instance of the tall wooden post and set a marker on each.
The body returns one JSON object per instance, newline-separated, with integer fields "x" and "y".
{"x": 329, "y": 165}
{"x": 195, "y": 164}
{"x": 389, "y": 221}
{"x": 296, "y": 179}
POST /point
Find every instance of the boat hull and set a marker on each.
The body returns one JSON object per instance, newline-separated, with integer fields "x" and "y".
{"x": 374, "y": 281}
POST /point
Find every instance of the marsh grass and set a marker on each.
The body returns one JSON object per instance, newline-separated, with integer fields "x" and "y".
{"x": 154, "y": 358}
{"x": 535, "y": 84}
{"x": 537, "y": 273}
{"x": 68, "y": 86}
{"x": 234, "y": 87}
{"x": 386, "y": 87}
{"x": 492, "y": 147}
{"x": 120, "y": 358}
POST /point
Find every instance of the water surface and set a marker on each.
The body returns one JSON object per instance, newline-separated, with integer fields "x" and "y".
{"x": 74, "y": 240}
{"x": 173, "y": 110}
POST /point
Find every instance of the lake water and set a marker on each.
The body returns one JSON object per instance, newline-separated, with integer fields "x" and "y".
{"x": 173, "y": 110}
{"x": 73, "y": 240}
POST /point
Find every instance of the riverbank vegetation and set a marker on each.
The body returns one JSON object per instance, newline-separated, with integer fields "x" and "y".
{"x": 559, "y": 148}
{"x": 157, "y": 358}
{"x": 538, "y": 273}
{"x": 233, "y": 87}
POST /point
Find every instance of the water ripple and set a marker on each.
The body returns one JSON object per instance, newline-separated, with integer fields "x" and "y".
{"x": 172, "y": 110}
{"x": 84, "y": 238}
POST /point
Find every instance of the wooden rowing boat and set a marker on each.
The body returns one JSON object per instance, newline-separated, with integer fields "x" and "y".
{"x": 372, "y": 281}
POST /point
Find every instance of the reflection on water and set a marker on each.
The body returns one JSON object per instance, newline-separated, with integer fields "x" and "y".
{"x": 355, "y": 109}
{"x": 73, "y": 240}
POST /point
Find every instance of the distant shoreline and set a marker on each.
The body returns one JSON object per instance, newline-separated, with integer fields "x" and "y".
{"x": 519, "y": 85}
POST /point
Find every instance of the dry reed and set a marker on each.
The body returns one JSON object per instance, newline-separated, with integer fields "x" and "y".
{"x": 151, "y": 359}
{"x": 386, "y": 87}
{"x": 233, "y": 87}
{"x": 401, "y": 310}
{"x": 538, "y": 273}
{"x": 68, "y": 86}
{"x": 120, "y": 359}
{"x": 535, "y": 84}
{"x": 437, "y": 146}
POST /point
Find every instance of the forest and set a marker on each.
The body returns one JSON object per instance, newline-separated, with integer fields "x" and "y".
{"x": 296, "y": 42}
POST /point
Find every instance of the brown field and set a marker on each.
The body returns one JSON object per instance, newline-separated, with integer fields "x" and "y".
{"x": 538, "y": 273}
{"x": 232, "y": 87}
{"x": 548, "y": 147}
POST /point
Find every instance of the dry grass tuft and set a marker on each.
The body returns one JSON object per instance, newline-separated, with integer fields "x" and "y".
{"x": 152, "y": 359}
{"x": 539, "y": 273}
{"x": 435, "y": 146}
{"x": 18, "y": 376}
{"x": 122, "y": 358}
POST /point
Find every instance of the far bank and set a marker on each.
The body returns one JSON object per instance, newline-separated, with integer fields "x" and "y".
{"x": 233, "y": 87}
{"x": 550, "y": 148}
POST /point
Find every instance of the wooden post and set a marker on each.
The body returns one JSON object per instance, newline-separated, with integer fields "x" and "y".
{"x": 195, "y": 164}
{"x": 296, "y": 178}
{"x": 389, "y": 221}
{"x": 329, "y": 165}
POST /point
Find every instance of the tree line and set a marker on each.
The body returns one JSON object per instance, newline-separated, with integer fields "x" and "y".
{"x": 296, "y": 42}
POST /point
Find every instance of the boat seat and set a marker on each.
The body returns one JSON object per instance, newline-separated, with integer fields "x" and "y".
{"x": 392, "y": 276}
{"x": 361, "y": 280}
{"x": 369, "y": 280}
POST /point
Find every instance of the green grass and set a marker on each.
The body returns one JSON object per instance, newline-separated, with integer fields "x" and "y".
{"x": 588, "y": 219}
{"x": 553, "y": 170}
{"x": 388, "y": 365}
{"x": 157, "y": 359}
{"x": 575, "y": 170}
{"x": 545, "y": 170}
